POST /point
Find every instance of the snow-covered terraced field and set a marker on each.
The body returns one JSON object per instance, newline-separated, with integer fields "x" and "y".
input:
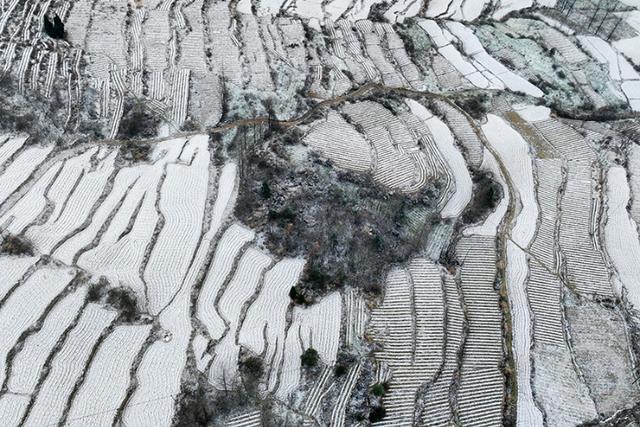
{"x": 67, "y": 368}
{"x": 106, "y": 383}
{"x": 621, "y": 234}
{"x": 136, "y": 290}
{"x": 409, "y": 324}
{"x": 444, "y": 141}
{"x": 481, "y": 387}
{"x": 393, "y": 144}
{"x": 341, "y": 143}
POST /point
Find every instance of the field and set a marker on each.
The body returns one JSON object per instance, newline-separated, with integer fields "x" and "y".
{"x": 159, "y": 164}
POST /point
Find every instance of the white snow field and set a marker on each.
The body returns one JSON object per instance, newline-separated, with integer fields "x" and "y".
{"x": 34, "y": 294}
{"x": 68, "y": 367}
{"x": 446, "y": 145}
{"x": 264, "y": 326}
{"x": 29, "y": 361}
{"x": 621, "y": 234}
{"x": 514, "y": 154}
{"x": 559, "y": 389}
{"x": 106, "y": 382}
{"x": 393, "y": 144}
{"x": 486, "y": 64}
{"x": 227, "y": 251}
{"x": 584, "y": 260}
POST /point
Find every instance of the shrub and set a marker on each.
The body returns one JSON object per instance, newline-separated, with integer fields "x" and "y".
{"x": 17, "y": 246}
{"x": 377, "y": 413}
{"x": 251, "y": 369}
{"x": 340, "y": 370}
{"x": 125, "y": 302}
{"x": 297, "y": 297}
{"x": 94, "y": 294}
{"x": 138, "y": 122}
{"x": 376, "y": 12}
{"x": 24, "y": 122}
{"x": 378, "y": 390}
{"x": 265, "y": 190}
{"x": 193, "y": 409}
{"x": 190, "y": 126}
{"x": 475, "y": 106}
{"x": 284, "y": 216}
{"x": 487, "y": 194}
{"x": 310, "y": 358}
{"x": 252, "y": 366}
{"x": 343, "y": 361}
{"x": 135, "y": 152}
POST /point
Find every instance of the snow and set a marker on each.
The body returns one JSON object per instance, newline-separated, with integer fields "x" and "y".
{"x": 514, "y": 153}
{"x": 120, "y": 250}
{"x": 21, "y": 169}
{"x": 532, "y": 113}
{"x": 12, "y": 268}
{"x": 107, "y": 379}
{"x": 508, "y": 6}
{"x": 268, "y": 312}
{"x": 36, "y": 293}
{"x": 630, "y": 48}
{"x": 70, "y": 215}
{"x": 12, "y": 408}
{"x": 160, "y": 371}
{"x": 10, "y": 145}
{"x": 445, "y": 142}
{"x": 517, "y": 270}
{"x": 68, "y": 366}
{"x": 318, "y": 327}
{"x": 29, "y": 362}
{"x": 31, "y": 205}
{"x": 341, "y": 143}
{"x": 473, "y": 49}
{"x": 229, "y": 246}
{"x": 182, "y": 205}
{"x": 621, "y": 234}
{"x": 619, "y": 68}
{"x": 240, "y": 289}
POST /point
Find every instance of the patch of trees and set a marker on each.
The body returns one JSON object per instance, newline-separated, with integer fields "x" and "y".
{"x": 377, "y": 11}
{"x": 366, "y": 399}
{"x": 119, "y": 298}
{"x": 487, "y": 194}
{"x": 16, "y": 246}
{"x": 199, "y": 404}
{"x": 30, "y": 112}
{"x": 349, "y": 229}
{"x": 310, "y": 358}
{"x": 588, "y": 112}
{"x": 54, "y": 29}
{"x": 138, "y": 122}
{"x": 135, "y": 151}
{"x": 474, "y": 105}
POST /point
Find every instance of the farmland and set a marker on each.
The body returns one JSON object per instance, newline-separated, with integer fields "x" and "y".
{"x": 334, "y": 213}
